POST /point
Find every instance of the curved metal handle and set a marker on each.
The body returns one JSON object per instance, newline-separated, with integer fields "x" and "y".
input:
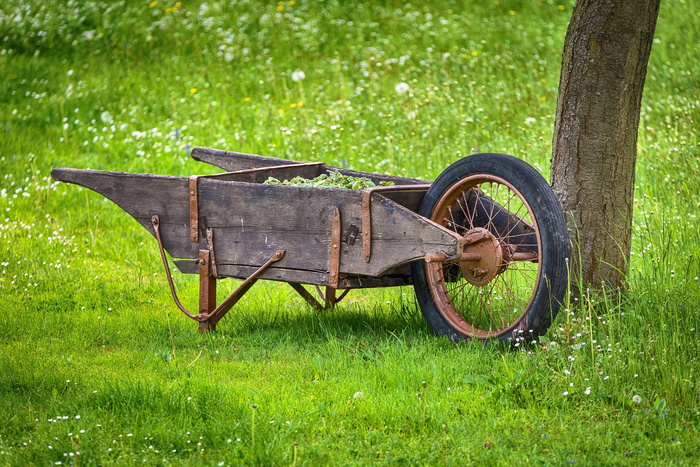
{"x": 155, "y": 221}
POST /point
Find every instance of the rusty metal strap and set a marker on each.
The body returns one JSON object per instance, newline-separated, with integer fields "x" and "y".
{"x": 194, "y": 209}
{"x": 334, "y": 265}
{"x": 367, "y": 224}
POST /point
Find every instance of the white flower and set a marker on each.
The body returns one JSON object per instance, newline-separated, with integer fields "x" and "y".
{"x": 298, "y": 75}
{"x": 358, "y": 395}
{"x": 106, "y": 117}
{"x": 530, "y": 120}
{"x": 587, "y": 391}
{"x": 402, "y": 87}
{"x": 637, "y": 399}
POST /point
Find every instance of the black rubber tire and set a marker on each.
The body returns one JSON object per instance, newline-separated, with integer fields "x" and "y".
{"x": 545, "y": 220}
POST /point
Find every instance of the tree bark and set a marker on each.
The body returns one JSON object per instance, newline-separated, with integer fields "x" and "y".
{"x": 594, "y": 148}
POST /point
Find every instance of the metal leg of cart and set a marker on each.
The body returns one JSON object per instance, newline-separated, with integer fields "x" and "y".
{"x": 209, "y": 314}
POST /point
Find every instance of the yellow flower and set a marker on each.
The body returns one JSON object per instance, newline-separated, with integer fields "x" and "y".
{"x": 300, "y": 104}
{"x": 511, "y": 13}
{"x": 292, "y": 105}
{"x": 153, "y": 4}
{"x": 292, "y": 2}
{"x": 280, "y": 8}
{"x": 169, "y": 10}
{"x": 247, "y": 99}
{"x": 543, "y": 98}
{"x": 474, "y": 53}
{"x": 561, "y": 7}
{"x": 280, "y": 111}
{"x": 178, "y": 4}
{"x": 193, "y": 90}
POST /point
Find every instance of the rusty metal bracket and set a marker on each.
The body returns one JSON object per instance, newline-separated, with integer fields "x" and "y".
{"x": 334, "y": 265}
{"x": 194, "y": 209}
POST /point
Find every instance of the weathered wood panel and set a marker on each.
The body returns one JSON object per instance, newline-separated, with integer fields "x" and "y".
{"x": 251, "y": 221}
{"x": 142, "y": 196}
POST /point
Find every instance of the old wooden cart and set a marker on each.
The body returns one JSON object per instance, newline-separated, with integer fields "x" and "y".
{"x": 485, "y": 245}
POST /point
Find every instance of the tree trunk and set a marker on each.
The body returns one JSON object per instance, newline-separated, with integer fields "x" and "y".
{"x": 594, "y": 151}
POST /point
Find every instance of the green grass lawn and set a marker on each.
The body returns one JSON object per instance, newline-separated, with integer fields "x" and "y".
{"x": 98, "y": 366}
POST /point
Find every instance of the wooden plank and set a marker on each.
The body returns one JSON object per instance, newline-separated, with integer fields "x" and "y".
{"x": 234, "y": 161}
{"x": 399, "y": 276}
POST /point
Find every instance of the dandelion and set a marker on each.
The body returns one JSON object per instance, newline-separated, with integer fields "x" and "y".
{"x": 358, "y": 395}
{"x": 637, "y": 399}
{"x": 474, "y": 53}
{"x": 280, "y": 111}
{"x": 153, "y": 4}
{"x": 106, "y": 117}
{"x": 193, "y": 90}
{"x": 298, "y": 75}
{"x": 402, "y": 87}
{"x": 561, "y": 7}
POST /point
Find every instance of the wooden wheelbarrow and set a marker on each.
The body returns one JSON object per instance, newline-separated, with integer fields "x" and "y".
{"x": 485, "y": 245}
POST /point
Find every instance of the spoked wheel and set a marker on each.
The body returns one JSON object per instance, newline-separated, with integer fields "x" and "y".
{"x": 511, "y": 275}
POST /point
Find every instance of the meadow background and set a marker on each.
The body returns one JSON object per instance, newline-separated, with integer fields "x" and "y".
{"x": 98, "y": 366}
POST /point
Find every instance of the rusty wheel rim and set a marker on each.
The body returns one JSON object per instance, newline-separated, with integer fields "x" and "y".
{"x": 492, "y": 302}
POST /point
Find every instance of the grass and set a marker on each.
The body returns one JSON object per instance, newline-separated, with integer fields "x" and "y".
{"x": 96, "y": 363}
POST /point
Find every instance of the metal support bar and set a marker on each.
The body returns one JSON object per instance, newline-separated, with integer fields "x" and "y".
{"x": 310, "y": 299}
{"x": 329, "y": 299}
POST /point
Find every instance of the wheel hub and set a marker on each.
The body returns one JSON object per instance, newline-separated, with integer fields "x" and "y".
{"x": 484, "y": 245}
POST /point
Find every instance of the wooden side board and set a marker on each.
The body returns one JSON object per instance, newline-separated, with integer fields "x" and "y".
{"x": 250, "y": 221}
{"x": 235, "y": 161}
